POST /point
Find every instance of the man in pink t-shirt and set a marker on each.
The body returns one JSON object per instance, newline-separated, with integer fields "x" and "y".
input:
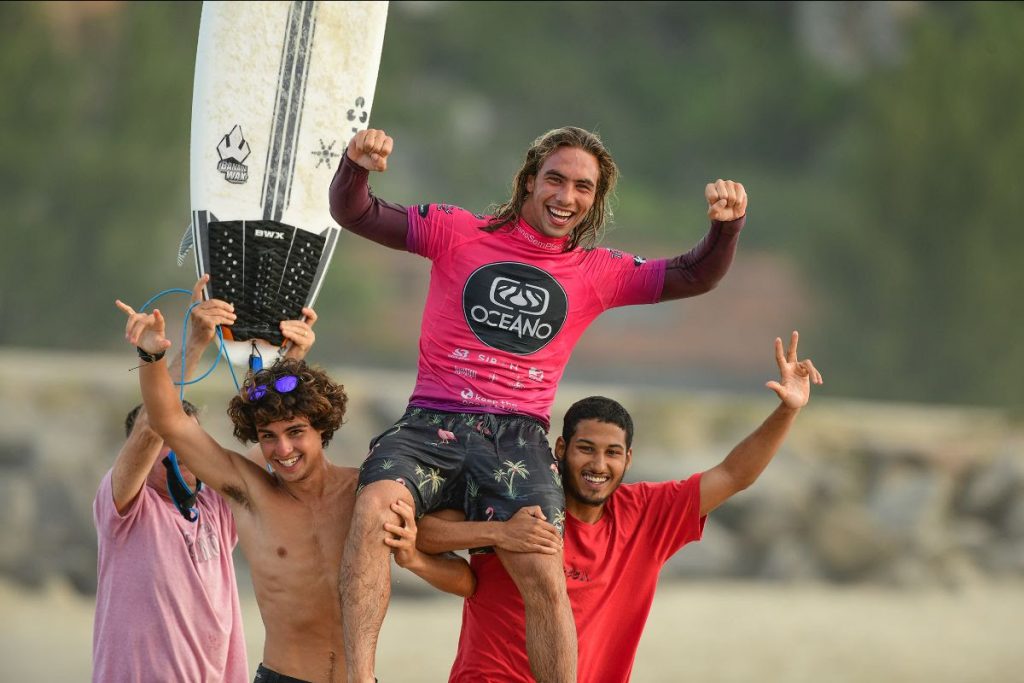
{"x": 617, "y": 537}
{"x": 510, "y": 294}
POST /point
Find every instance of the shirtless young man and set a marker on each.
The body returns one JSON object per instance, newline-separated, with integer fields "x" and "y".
{"x": 510, "y": 294}
{"x": 166, "y": 583}
{"x": 291, "y": 523}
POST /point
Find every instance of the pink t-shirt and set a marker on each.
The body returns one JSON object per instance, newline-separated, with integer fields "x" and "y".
{"x": 166, "y": 601}
{"x": 505, "y": 309}
{"x": 611, "y": 572}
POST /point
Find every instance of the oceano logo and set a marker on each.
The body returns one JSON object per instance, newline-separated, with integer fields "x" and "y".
{"x": 514, "y": 307}
{"x": 269, "y": 233}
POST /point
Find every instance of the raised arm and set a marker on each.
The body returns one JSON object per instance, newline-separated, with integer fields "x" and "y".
{"x": 747, "y": 460}
{"x": 700, "y": 269}
{"x": 525, "y": 532}
{"x": 447, "y": 572}
{"x": 202, "y": 329}
{"x": 142, "y": 448}
{"x": 353, "y": 205}
{"x": 218, "y": 467}
{"x": 134, "y": 462}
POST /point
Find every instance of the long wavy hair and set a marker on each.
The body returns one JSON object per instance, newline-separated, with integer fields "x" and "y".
{"x": 315, "y": 397}
{"x": 588, "y": 232}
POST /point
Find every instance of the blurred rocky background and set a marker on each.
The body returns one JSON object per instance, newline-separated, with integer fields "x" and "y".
{"x": 881, "y": 493}
{"x": 880, "y": 144}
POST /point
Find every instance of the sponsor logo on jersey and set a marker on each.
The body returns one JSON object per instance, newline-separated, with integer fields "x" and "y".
{"x": 514, "y": 307}
{"x": 639, "y": 261}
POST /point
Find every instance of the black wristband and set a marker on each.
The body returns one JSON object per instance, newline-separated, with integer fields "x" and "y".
{"x": 149, "y": 357}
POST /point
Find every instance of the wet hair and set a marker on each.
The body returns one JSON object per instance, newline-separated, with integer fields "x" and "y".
{"x": 129, "y": 422}
{"x": 315, "y": 397}
{"x": 601, "y": 409}
{"x": 588, "y": 232}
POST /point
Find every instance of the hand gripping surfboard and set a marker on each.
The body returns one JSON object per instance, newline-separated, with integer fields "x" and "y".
{"x": 280, "y": 87}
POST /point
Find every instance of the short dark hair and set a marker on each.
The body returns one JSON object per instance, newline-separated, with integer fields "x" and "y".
{"x": 315, "y": 398}
{"x": 129, "y": 422}
{"x": 597, "y": 408}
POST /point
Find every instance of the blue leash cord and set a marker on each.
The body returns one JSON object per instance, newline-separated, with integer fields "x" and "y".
{"x": 222, "y": 350}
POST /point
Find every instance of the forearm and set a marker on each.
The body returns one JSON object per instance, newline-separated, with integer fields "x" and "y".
{"x": 750, "y": 457}
{"x": 437, "y": 535}
{"x": 163, "y": 407}
{"x": 355, "y": 208}
{"x": 700, "y": 269}
{"x": 449, "y": 573}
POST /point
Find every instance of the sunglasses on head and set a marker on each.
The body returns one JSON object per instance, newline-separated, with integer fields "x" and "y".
{"x": 281, "y": 385}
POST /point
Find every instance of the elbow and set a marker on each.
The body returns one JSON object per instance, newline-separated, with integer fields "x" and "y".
{"x": 467, "y": 587}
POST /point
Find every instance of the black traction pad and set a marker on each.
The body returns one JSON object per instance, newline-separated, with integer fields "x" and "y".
{"x": 266, "y": 269}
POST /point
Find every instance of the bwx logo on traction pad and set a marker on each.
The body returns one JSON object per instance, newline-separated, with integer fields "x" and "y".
{"x": 514, "y": 307}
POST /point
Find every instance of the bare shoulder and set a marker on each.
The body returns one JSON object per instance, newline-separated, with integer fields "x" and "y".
{"x": 345, "y": 478}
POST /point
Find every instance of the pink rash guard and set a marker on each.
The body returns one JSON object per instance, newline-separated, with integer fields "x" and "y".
{"x": 505, "y": 309}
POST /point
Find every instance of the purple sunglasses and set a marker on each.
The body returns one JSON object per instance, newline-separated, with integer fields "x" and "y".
{"x": 282, "y": 385}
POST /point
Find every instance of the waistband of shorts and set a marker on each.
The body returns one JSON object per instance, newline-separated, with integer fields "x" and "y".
{"x": 496, "y": 418}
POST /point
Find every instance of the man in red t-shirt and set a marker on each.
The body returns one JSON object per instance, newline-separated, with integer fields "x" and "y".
{"x": 617, "y": 537}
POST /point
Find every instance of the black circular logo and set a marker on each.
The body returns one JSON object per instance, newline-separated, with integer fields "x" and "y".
{"x": 514, "y": 307}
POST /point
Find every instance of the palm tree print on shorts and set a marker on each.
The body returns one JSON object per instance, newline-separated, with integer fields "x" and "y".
{"x": 559, "y": 520}
{"x": 556, "y": 475}
{"x": 430, "y": 478}
{"x": 507, "y": 475}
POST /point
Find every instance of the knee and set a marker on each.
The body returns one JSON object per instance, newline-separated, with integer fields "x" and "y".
{"x": 373, "y": 504}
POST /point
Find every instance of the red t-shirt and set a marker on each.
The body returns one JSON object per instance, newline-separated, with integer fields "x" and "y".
{"x": 611, "y": 570}
{"x": 505, "y": 309}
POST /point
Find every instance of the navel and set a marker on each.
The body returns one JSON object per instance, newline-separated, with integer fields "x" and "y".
{"x": 281, "y": 552}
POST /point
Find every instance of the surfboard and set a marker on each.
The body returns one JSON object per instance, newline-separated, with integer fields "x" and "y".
{"x": 280, "y": 88}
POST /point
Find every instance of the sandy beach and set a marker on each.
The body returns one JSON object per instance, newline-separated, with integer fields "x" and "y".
{"x": 697, "y": 632}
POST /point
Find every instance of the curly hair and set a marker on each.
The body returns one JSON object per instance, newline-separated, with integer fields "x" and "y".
{"x": 588, "y": 232}
{"x": 315, "y": 397}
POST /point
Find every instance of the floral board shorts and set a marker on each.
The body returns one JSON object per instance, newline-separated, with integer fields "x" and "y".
{"x": 489, "y": 466}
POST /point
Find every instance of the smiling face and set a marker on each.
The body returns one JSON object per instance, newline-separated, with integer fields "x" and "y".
{"x": 593, "y": 464}
{"x": 291, "y": 447}
{"x": 562, "y": 192}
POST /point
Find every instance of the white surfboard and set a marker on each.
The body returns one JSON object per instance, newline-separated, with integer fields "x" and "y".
{"x": 280, "y": 88}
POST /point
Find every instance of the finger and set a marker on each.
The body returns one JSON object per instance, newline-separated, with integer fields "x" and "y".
{"x": 310, "y": 314}
{"x": 124, "y": 307}
{"x": 710, "y": 193}
{"x": 815, "y": 375}
{"x": 387, "y": 145}
{"x": 535, "y": 511}
{"x": 741, "y": 198}
{"x": 396, "y": 529}
{"x": 197, "y": 290}
{"x": 544, "y": 550}
{"x": 405, "y": 512}
{"x": 780, "y": 358}
{"x": 725, "y": 190}
{"x": 777, "y": 388}
{"x": 792, "y": 346}
{"x": 722, "y": 188}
